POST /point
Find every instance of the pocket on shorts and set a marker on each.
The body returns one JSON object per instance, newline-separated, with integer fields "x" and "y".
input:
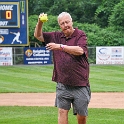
{"x": 88, "y": 89}
{"x": 60, "y": 86}
{"x": 89, "y": 92}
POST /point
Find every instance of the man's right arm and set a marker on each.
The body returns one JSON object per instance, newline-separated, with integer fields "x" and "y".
{"x": 38, "y": 31}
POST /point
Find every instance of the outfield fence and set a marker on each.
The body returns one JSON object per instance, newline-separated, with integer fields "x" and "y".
{"x": 18, "y": 55}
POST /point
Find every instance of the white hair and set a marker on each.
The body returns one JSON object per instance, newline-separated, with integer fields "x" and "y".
{"x": 64, "y": 14}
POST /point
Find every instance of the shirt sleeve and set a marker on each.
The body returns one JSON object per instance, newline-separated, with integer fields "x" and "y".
{"x": 48, "y": 37}
{"x": 82, "y": 42}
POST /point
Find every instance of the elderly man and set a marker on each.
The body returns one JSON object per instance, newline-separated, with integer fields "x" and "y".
{"x": 71, "y": 67}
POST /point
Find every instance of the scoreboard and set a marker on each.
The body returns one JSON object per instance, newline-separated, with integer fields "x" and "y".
{"x": 14, "y": 23}
{"x": 9, "y": 16}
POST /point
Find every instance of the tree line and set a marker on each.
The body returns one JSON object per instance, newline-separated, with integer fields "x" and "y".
{"x": 101, "y": 20}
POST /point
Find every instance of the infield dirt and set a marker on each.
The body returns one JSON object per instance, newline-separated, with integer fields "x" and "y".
{"x": 98, "y": 100}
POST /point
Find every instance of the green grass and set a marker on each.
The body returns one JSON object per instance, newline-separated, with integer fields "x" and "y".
{"x": 48, "y": 115}
{"x": 107, "y": 78}
{"x": 27, "y": 78}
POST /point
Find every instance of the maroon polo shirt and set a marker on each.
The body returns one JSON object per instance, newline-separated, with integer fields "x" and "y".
{"x": 69, "y": 69}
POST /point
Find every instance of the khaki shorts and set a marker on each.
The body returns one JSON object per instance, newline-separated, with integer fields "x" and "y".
{"x": 76, "y": 96}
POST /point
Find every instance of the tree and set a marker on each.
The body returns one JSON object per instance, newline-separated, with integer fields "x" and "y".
{"x": 104, "y": 11}
{"x": 81, "y": 11}
{"x": 106, "y": 29}
{"x": 117, "y": 17}
{"x": 35, "y": 7}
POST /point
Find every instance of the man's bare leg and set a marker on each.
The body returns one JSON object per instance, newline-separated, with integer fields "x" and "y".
{"x": 62, "y": 116}
{"x": 81, "y": 119}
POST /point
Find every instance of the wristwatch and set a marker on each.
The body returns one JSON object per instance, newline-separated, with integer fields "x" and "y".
{"x": 61, "y": 47}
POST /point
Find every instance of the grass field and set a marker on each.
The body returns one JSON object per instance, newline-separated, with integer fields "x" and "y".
{"x": 48, "y": 115}
{"x": 106, "y": 78}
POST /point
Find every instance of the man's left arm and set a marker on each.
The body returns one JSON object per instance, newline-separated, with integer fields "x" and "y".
{"x": 81, "y": 47}
{"x": 74, "y": 50}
